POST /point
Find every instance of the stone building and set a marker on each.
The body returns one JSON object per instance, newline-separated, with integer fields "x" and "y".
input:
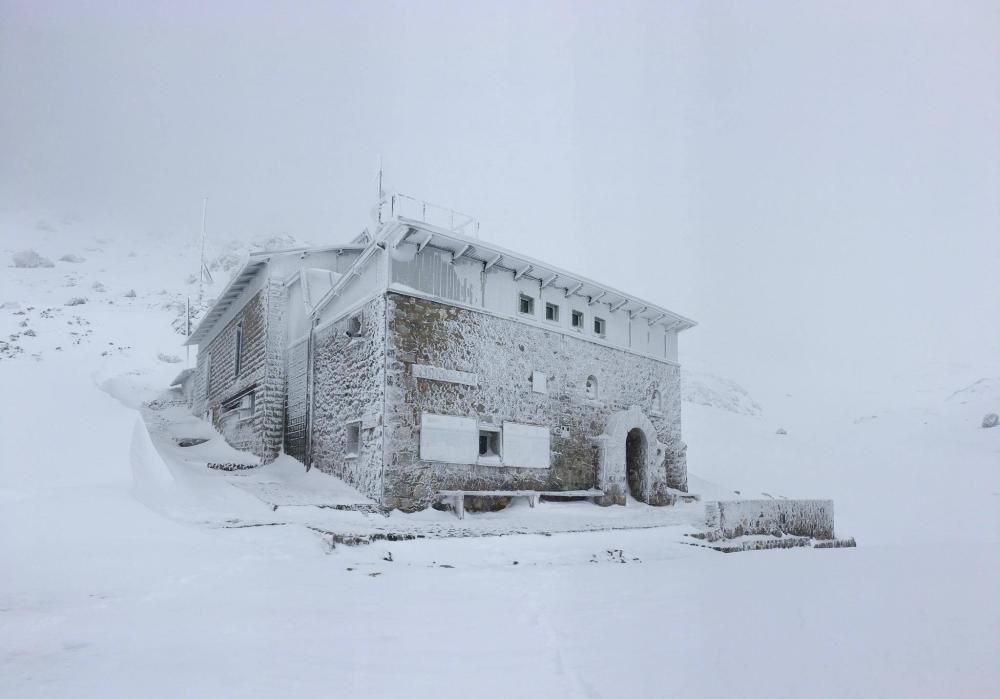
{"x": 419, "y": 359}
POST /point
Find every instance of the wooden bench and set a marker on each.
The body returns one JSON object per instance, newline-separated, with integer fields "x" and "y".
{"x": 456, "y": 498}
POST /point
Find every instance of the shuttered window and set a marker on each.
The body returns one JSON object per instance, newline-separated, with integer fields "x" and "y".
{"x": 449, "y": 439}
{"x": 527, "y": 446}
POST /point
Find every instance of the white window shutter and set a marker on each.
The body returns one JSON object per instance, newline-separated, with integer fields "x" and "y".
{"x": 449, "y": 439}
{"x": 527, "y": 446}
{"x": 539, "y": 382}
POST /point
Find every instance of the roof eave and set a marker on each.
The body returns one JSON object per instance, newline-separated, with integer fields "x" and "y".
{"x": 232, "y": 291}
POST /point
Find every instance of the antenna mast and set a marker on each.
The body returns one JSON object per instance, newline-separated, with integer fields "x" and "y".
{"x": 201, "y": 268}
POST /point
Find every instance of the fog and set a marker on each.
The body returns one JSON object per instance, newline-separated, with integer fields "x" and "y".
{"x": 817, "y": 184}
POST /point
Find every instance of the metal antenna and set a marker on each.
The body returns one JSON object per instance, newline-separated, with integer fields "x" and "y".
{"x": 201, "y": 268}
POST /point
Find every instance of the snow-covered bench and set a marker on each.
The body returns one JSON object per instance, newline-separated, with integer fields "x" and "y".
{"x": 456, "y": 498}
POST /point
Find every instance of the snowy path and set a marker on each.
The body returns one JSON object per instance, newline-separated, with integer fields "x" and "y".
{"x": 284, "y": 493}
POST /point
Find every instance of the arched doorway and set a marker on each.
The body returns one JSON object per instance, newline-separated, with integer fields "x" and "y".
{"x": 632, "y": 459}
{"x": 635, "y": 462}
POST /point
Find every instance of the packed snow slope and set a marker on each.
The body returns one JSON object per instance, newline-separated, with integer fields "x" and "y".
{"x": 109, "y": 589}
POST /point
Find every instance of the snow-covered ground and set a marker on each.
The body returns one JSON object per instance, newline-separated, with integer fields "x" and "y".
{"x": 118, "y": 576}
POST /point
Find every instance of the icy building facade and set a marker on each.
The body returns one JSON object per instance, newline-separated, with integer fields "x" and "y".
{"x": 420, "y": 359}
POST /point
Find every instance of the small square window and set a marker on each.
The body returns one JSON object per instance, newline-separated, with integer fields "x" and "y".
{"x": 577, "y": 319}
{"x": 246, "y": 407}
{"x": 551, "y": 312}
{"x": 489, "y": 444}
{"x": 526, "y": 305}
{"x": 241, "y": 408}
{"x": 599, "y": 326}
{"x": 354, "y": 326}
{"x": 353, "y": 434}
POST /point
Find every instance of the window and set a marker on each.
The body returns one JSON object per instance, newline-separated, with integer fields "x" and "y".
{"x": 239, "y": 348}
{"x": 592, "y": 387}
{"x": 599, "y": 326}
{"x": 353, "y": 446}
{"x": 577, "y": 319}
{"x": 241, "y": 408}
{"x": 354, "y": 326}
{"x": 489, "y": 443}
{"x": 526, "y": 305}
{"x": 246, "y": 407}
{"x": 551, "y": 312}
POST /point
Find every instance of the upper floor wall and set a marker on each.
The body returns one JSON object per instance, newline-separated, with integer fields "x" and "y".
{"x": 436, "y": 274}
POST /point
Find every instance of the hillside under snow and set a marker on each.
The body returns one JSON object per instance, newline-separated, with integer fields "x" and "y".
{"x": 118, "y": 577}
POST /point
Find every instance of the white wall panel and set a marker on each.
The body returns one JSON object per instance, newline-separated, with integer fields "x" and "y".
{"x": 449, "y": 439}
{"x": 527, "y": 446}
{"x": 500, "y": 292}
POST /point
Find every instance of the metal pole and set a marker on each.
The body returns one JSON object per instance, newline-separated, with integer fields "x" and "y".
{"x": 201, "y": 268}
{"x": 187, "y": 330}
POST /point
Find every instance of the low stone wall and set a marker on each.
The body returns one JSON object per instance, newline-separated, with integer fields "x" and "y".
{"x": 733, "y": 518}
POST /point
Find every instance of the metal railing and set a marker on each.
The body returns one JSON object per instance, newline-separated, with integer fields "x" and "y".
{"x": 394, "y": 206}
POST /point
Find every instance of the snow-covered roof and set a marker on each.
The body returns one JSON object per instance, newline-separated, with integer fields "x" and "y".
{"x": 243, "y": 278}
{"x": 229, "y": 294}
{"x": 396, "y": 227}
{"x": 182, "y": 377}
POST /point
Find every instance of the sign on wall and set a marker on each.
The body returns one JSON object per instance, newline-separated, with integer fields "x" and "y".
{"x": 434, "y": 373}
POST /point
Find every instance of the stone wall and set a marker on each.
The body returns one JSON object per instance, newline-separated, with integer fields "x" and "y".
{"x": 732, "y": 518}
{"x": 503, "y": 354}
{"x": 349, "y": 385}
{"x": 199, "y": 399}
{"x": 271, "y": 401}
{"x": 261, "y": 373}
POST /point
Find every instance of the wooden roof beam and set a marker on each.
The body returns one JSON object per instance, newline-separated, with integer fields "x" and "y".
{"x": 492, "y": 263}
{"x": 657, "y": 318}
{"x": 595, "y": 299}
{"x": 402, "y": 239}
{"x": 573, "y": 290}
{"x": 547, "y": 282}
{"x": 518, "y": 275}
{"x": 618, "y": 305}
{"x": 462, "y": 251}
{"x": 420, "y": 248}
{"x": 635, "y": 314}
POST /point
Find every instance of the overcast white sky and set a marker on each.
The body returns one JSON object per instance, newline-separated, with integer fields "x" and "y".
{"x": 817, "y": 183}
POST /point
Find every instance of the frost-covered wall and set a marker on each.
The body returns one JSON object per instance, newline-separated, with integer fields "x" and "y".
{"x": 349, "y": 389}
{"x": 271, "y": 401}
{"x": 507, "y": 357}
{"x": 434, "y": 273}
{"x": 733, "y": 518}
{"x": 261, "y": 374}
{"x": 366, "y": 280}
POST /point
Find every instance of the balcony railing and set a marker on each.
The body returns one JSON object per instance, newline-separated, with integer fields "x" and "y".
{"x": 395, "y": 206}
